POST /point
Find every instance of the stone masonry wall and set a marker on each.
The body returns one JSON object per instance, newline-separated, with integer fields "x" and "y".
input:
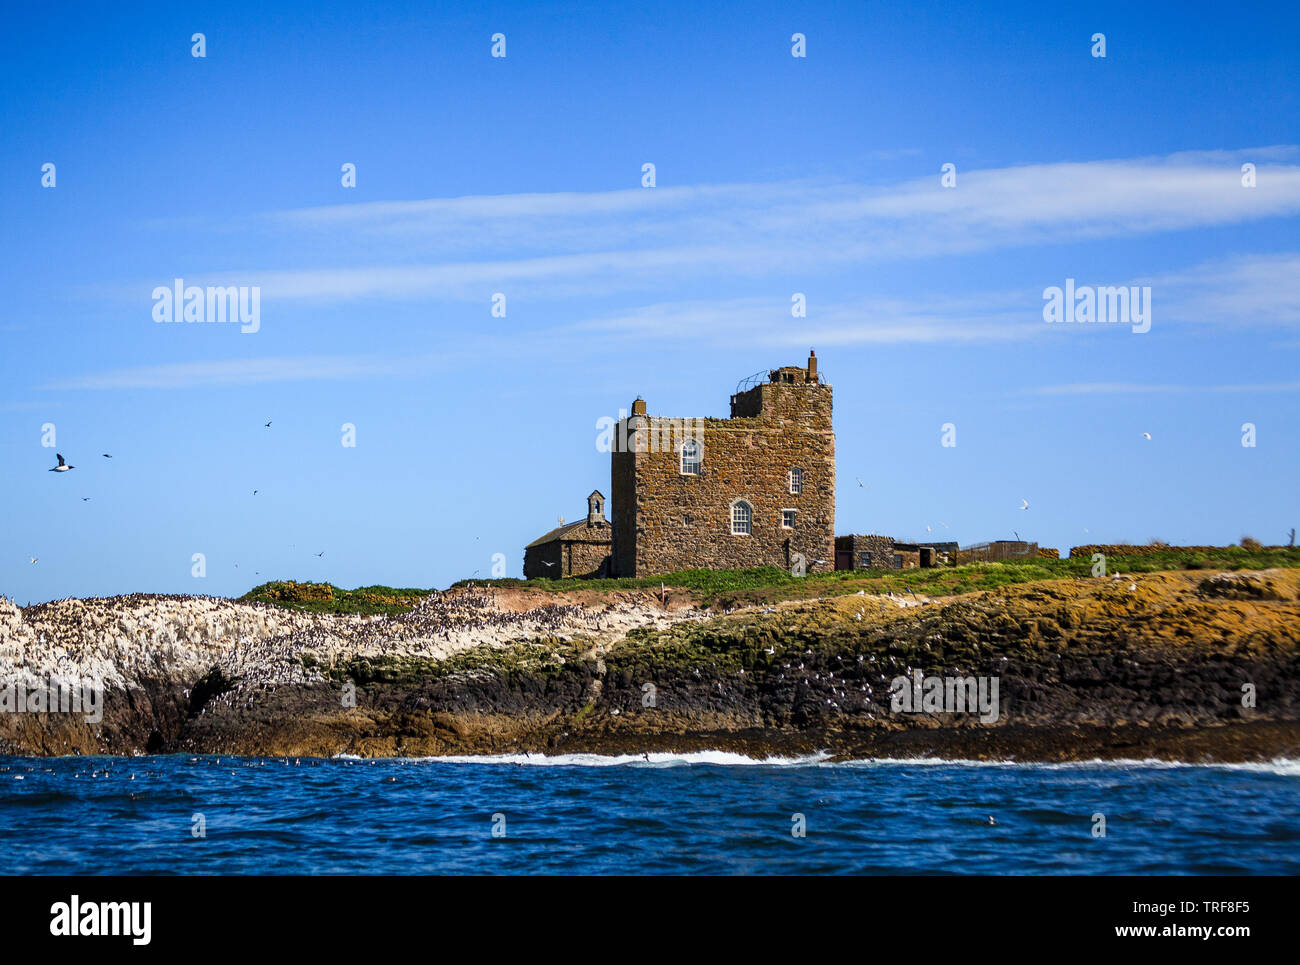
{"x": 586, "y": 558}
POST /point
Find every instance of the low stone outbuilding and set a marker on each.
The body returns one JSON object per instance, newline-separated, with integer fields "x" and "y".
{"x": 885, "y": 553}
{"x": 574, "y": 549}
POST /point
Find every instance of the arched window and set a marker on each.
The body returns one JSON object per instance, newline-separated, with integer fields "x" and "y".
{"x": 742, "y": 518}
{"x": 796, "y": 481}
{"x": 690, "y": 458}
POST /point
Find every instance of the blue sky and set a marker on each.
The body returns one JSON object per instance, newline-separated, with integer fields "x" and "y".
{"x": 522, "y": 175}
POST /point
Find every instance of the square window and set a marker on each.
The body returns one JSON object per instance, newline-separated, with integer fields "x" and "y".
{"x": 787, "y": 518}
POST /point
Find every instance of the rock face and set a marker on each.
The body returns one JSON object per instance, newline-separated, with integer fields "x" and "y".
{"x": 1192, "y": 666}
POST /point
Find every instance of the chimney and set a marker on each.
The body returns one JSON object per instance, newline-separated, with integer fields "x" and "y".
{"x": 638, "y": 406}
{"x": 812, "y": 365}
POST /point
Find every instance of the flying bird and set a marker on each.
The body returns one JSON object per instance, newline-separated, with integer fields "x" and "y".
{"x": 1146, "y": 435}
{"x": 107, "y": 456}
{"x": 861, "y": 483}
{"x": 85, "y": 499}
{"x": 1024, "y": 503}
{"x": 321, "y": 553}
{"x": 33, "y": 560}
{"x": 62, "y": 466}
{"x": 268, "y": 425}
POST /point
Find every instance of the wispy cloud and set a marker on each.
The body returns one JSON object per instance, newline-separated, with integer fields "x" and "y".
{"x": 768, "y": 321}
{"x": 182, "y": 375}
{"x": 605, "y": 242}
{"x": 1133, "y": 388}
{"x": 1245, "y": 290}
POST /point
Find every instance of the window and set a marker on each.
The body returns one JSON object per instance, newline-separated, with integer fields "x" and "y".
{"x": 690, "y": 458}
{"x": 742, "y": 518}
{"x": 796, "y": 481}
{"x": 787, "y": 518}
{"x": 688, "y": 520}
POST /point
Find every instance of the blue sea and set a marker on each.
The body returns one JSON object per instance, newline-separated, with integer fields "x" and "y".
{"x": 709, "y": 813}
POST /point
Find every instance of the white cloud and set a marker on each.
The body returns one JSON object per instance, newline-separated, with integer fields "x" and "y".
{"x": 181, "y": 375}
{"x": 767, "y": 321}
{"x": 630, "y": 240}
{"x": 1125, "y": 388}
{"x": 1245, "y": 290}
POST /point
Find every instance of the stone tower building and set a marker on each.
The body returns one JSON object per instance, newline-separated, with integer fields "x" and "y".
{"x": 756, "y": 489}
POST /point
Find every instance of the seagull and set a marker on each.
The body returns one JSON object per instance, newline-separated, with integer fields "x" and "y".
{"x": 547, "y": 563}
{"x": 321, "y": 553}
{"x": 991, "y": 821}
{"x": 1024, "y": 503}
{"x": 107, "y": 456}
{"x": 85, "y": 499}
{"x": 1146, "y": 435}
{"x": 254, "y": 492}
{"x": 62, "y": 466}
{"x": 267, "y": 426}
{"x": 33, "y": 560}
{"x": 861, "y": 483}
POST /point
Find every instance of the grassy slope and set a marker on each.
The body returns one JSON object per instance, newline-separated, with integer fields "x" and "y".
{"x": 725, "y": 588}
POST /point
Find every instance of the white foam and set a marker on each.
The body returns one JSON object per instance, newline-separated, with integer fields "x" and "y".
{"x": 1285, "y": 767}
{"x": 1282, "y": 766}
{"x": 654, "y": 759}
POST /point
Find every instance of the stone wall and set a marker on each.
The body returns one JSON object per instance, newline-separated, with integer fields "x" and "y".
{"x": 1127, "y": 549}
{"x": 586, "y": 558}
{"x": 665, "y": 521}
{"x": 543, "y": 560}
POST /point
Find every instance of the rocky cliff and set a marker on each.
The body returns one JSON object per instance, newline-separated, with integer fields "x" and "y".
{"x": 1178, "y": 665}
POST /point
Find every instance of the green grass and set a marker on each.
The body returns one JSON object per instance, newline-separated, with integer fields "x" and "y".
{"x": 720, "y": 589}
{"x": 724, "y": 588}
{"x": 327, "y": 598}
